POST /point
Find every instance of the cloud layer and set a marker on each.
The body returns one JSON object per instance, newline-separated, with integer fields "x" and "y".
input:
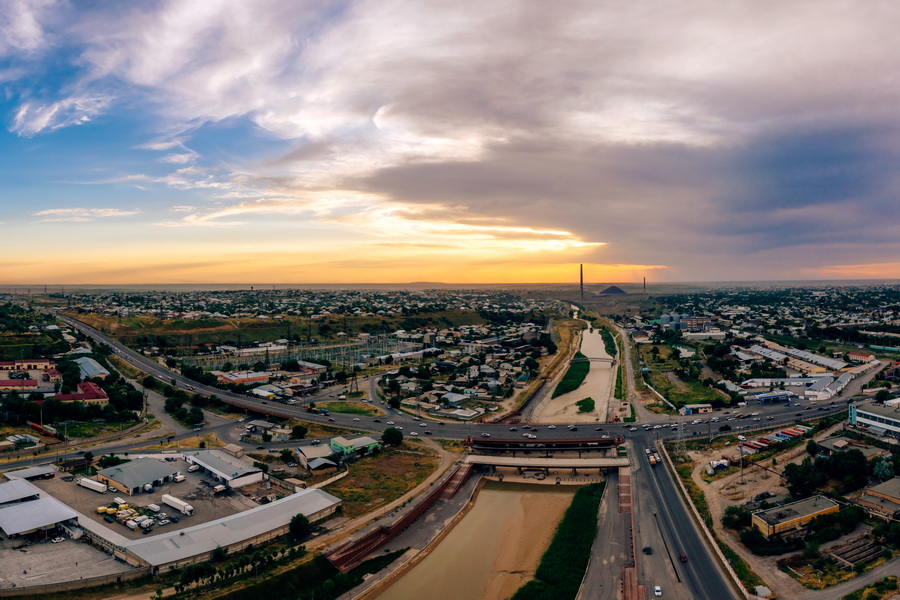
{"x": 722, "y": 141}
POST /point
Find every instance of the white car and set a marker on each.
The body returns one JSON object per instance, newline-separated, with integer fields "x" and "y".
{"x": 390, "y": 422}
{"x": 551, "y": 426}
{"x": 423, "y": 424}
{"x": 414, "y": 433}
{"x": 356, "y": 418}
{"x": 485, "y": 435}
{"x": 164, "y": 522}
{"x": 57, "y": 540}
{"x": 657, "y": 591}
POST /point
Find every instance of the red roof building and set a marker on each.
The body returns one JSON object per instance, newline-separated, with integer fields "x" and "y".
{"x": 18, "y": 384}
{"x": 89, "y": 393}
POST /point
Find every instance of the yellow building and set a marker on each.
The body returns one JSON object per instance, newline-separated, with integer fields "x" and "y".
{"x": 790, "y": 520}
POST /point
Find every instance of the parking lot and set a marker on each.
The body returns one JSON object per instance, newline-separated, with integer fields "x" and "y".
{"x": 196, "y": 490}
{"x": 26, "y": 563}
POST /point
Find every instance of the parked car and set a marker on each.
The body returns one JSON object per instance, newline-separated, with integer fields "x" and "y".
{"x": 57, "y": 540}
{"x": 109, "y": 519}
{"x": 657, "y": 591}
{"x": 164, "y": 522}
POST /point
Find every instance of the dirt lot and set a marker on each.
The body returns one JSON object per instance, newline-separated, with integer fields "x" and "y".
{"x": 376, "y": 480}
{"x": 207, "y": 507}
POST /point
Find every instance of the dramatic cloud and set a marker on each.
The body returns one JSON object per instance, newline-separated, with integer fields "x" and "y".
{"x": 721, "y": 141}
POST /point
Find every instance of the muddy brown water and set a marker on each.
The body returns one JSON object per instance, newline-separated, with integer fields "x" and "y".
{"x": 493, "y": 550}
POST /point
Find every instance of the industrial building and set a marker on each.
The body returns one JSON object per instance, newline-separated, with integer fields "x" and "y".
{"x": 880, "y": 419}
{"x": 790, "y": 520}
{"x": 90, "y": 368}
{"x": 230, "y": 470}
{"x": 24, "y": 509}
{"x": 131, "y": 477}
{"x": 695, "y": 409}
{"x": 882, "y": 500}
{"x": 89, "y": 393}
{"x": 233, "y": 533}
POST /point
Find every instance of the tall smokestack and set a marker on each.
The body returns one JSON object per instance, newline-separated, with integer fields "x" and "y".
{"x": 581, "y": 280}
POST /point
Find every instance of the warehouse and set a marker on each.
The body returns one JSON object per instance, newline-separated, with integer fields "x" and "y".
{"x": 23, "y": 511}
{"x": 880, "y": 419}
{"x": 232, "y": 471}
{"x": 131, "y": 477}
{"x": 232, "y": 533}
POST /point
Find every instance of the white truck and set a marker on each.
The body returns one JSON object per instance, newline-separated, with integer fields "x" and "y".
{"x": 179, "y": 505}
{"x": 92, "y": 484}
{"x": 131, "y": 524}
{"x": 153, "y": 507}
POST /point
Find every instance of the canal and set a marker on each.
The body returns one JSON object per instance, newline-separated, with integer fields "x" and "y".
{"x": 493, "y": 550}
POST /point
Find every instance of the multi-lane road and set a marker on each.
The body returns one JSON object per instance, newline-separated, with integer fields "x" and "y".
{"x": 663, "y": 520}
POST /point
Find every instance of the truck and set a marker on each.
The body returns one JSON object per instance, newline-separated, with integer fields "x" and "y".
{"x": 219, "y": 489}
{"x": 652, "y": 459}
{"x": 92, "y": 484}
{"x": 179, "y": 505}
{"x": 148, "y": 488}
{"x": 146, "y": 523}
{"x": 131, "y": 524}
{"x": 153, "y": 507}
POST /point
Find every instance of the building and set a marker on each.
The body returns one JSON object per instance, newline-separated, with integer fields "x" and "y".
{"x": 19, "y": 385}
{"x": 695, "y": 409}
{"x": 24, "y": 510}
{"x": 244, "y": 377}
{"x": 831, "y": 445}
{"x": 882, "y": 500}
{"x": 789, "y": 521}
{"x": 230, "y": 470}
{"x": 860, "y": 357}
{"x": 131, "y": 477}
{"x": 881, "y": 420}
{"x": 344, "y": 447}
{"x": 89, "y": 393}
{"x": 233, "y": 533}
{"x": 90, "y": 368}
{"x": 27, "y": 364}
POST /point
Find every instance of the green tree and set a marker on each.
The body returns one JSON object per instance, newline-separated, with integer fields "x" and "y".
{"x": 299, "y": 527}
{"x": 884, "y": 470}
{"x": 736, "y": 517}
{"x": 392, "y": 436}
{"x": 298, "y": 432}
{"x": 882, "y": 395}
{"x": 812, "y": 448}
{"x": 218, "y": 554}
{"x": 287, "y": 455}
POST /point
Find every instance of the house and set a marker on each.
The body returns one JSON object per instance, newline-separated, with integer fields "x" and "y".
{"x": 695, "y": 409}
{"x": 860, "y": 357}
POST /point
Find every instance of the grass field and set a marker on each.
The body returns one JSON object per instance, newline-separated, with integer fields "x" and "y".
{"x": 383, "y": 477}
{"x": 574, "y": 377}
{"x": 180, "y": 333}
{"x": 686, "y": 391}
{"x": 351, "y": 408}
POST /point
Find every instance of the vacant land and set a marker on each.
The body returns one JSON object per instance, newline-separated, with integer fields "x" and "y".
{"x": 352, "y": 408}
{"x": 383, "y": 477}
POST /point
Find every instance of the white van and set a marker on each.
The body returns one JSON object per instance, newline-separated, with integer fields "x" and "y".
{"x": 742, "y": 438}
{"x": 179, "y": 478}
{"x": 193, "y": 468}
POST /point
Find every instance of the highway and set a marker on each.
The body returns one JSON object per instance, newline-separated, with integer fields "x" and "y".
{"x": 664, "y": 522}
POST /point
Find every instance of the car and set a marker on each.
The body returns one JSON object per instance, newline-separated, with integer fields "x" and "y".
{"x": 423, "y": 424}
{"x": 441, "y": 423}
{"x": 534, "y": 428}
{"x": 162, "y": 515}
{"x": 331, "y": 420}
{"x": 109, "y": 519}
{"x": 770, "y": 418}
{"x": 599, "y": 429}
{"x": 682, "y": 557}
{"x": 260, "y": 447}
{"x": 754, "y": 414}
{"x": 485, "y": 435}
{"x": 146, "y": 530}
{"x": 513, "y": 429}
{"x": 292, "y": 464}
{"x": 273, "y": 451}
{"x": 573, "y": 429}
{"x": 798, "y": 414}
{"x": 57, "y": 540}
{"x": 376, "y": 420}
{"x": 164, "y": 522}
{"x": 137, "y": 435}
{"x": 390, "y": 422}
{"x": 398, "y": 428}
{"x": 426, "y": 432}
{"x": 110, "y": 488}
{"x": 414, "y": 433}
{"x": 356, "y": 418}
{"x": 756, "y": 418}
{"x": 647, "y": 550}
{"x": 551, "y": 426}
{"x": 173, "y": 519}
{"x": 647, "y": 450}
{"x": 632, "y": 429}
{"x": 657, "y": 591}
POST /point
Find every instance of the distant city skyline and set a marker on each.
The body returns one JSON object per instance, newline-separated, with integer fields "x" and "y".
{"x": 383, "y": 141}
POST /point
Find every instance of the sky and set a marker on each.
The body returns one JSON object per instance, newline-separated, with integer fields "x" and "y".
{"x": 458, "y": 141}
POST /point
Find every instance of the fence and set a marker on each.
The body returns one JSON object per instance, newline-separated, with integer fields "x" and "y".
{"x": 68, "y": 586}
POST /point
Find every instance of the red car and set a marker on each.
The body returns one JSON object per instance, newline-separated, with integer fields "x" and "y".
{"x": 683, "y": 557}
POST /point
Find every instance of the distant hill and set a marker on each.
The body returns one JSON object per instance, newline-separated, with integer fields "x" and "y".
{"x": 613, "y": 290}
